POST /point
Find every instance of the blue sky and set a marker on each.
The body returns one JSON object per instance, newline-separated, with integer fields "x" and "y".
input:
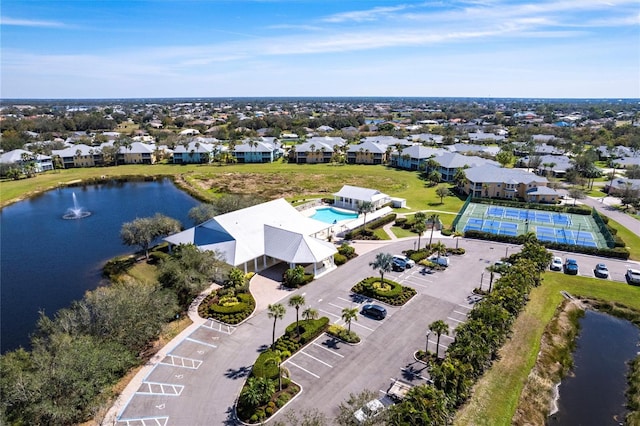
{"x": 233, "y": 48}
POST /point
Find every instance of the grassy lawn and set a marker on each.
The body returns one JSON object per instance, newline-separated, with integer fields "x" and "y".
{"x": 272, "y": 180}
{"x": 399, "y": 232}
{"x": 495, "y": 396}
{"x": 631, "y": 239}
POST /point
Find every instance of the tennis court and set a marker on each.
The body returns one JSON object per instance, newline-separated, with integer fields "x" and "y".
{"x": 565, "y": 228}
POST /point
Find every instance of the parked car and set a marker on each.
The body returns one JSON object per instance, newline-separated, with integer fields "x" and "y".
{"x": 601, "y": 271}
{"x": 633, "y": 276}
{"x": 398, "y": 266}
{"x": 556, "y": 264}
{"x": 403, "y": 260}
{"x": 374, "y": 311}
{"x": 439, "y": 260}
{"x": 571, "y": 267}
{"x": 368, "y": 411}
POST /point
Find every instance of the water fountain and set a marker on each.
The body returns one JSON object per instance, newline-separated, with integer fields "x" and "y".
{"x": 75, "y": 212}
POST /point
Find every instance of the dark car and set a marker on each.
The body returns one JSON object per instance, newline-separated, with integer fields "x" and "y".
{"x": 398, "y": 266}
{"x": 374, "y": 311}
{"x": 571, "y": 267}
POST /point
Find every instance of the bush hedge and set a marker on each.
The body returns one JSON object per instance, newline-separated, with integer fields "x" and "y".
{"x": 343, "y": 334}
{"x": 364, "y": 230}
{"x": 339, "y": 259}
{"x": 398, "y": 295}
{"x": 232, "y": 314}
{"x": 616, "y": 252}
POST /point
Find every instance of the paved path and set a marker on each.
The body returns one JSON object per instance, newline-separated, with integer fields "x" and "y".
{"x": 604, "y": 206}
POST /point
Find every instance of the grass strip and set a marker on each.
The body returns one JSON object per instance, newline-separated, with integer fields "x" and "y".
{"x": 496, "y": 394}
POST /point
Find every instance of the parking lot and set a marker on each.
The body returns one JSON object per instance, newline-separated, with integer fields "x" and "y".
{"x": 198, "y": 380}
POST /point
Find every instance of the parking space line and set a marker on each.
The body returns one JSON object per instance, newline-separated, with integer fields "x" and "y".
{"x": 218, "y": 326}
{"x": 159, "y": 421}
{"x": 453, "y": 319}
{"x": 303, "y": 369}
{"x": 330, "y": 313}
{"x": 190, "y": 339}
{"x": 327, "y": 349}
{"x": 317, "y": 359}
{"x": 175, "y": 390}
{"x": 336, "y": 306}
{"x": 180, "y": 361}
{"x": 440, "y": 344}
{"x": 363, "y": 326}
{"x": 465, "y": 306}
{"x": 345, "y": 300}
{"x": 461, "y": 313}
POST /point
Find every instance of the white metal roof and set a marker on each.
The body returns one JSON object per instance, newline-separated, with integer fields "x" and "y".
{"x": 240, "y": 235}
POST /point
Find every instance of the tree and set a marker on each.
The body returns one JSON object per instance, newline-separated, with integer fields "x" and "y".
{"x": 576, "y": 194}
{"x": 347, "y": 408}
{"x": 440, "y": 248}
{"x": 257, "y": 390}
{"x": 434, "y": 218}
{"x": 422, "y": 405}
{"x": 349, "y": 314}
{"x": 276, "y": 312}
{"x": 189, "y": 271}
{"x": 296, "y": 301}
{"x": 439, "y": 327}
{"x": 365, "y": 207}
{"x": 202, "y": 213}
{"x": 419, "y": 227}
{"x": 504, "y": 158}
{"x": 293, "y": 277}
{"x": 460, "y": 178}
{"x": 235, "y": 279}
{"x": 382, "y": 263}
{"x": 142, "y": 232}
{"x": 442, "y": 191}
{"x": 309, "y": 314}
{"x": 457, "y": 235}
{"x": 434, "y": 177}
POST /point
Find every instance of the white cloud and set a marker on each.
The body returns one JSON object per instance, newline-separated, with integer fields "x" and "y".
{"x": 6, "y": 21}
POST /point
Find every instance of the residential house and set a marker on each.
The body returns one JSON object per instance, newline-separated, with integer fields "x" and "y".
{"x": 21, "y": 158}
{"x": 414, "y": 157}
{"x": 473, "y": 149}
{"x": 312, "y": 152}
{"x": 486, "y": 137}
{"x": 79, "y": 155}
{"x": 387, "y": 140}
{"x": 351, "y": 197}
{"x": 367, "y": 153}
{"x": 256, "y": 152}
{"x": 137, "y": 153}
{"x": 427, "y": 138}
{"x": 491, "y": 181}
{"x": 619, "y": 185}
{"x": 195, "y": 152}
{"x": 450, "y": 162}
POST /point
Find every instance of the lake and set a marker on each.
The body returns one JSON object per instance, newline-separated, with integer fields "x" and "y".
{"x": 594, "y": 395}
{"x": 46, "y": 262}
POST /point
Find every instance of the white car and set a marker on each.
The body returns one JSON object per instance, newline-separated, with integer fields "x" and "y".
{"x": 633, "y": 276}
{"x": 369, "y": 411}
{"x": 556, "y": 264}
{"x": 404, "y": 260}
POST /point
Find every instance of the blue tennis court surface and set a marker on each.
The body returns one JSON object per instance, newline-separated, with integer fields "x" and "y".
{"x": 530, "y": 215}
{"x": 566, "y": 236}
{"x": 492, "y": 226}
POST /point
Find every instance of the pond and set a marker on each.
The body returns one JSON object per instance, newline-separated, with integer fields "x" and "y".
{"x": 47, "y": 262}
{"x": 594, "y": 394}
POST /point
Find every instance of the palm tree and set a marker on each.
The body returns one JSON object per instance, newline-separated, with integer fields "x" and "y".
{"x": 296, "y": 301}
{"x": 439, "y": 248}
{"x": 279, "y": 357}
{"x": 419, "y": 227}
{"x": 383, "y": 263}
{"x": 439, "y": 327}
{"x": 365, "y": 207}
{"x": 457, "y": 235}
{"x": 309, "y": 314}
{"x": 349, "y": 314}
{"x": 433, "y": 219}
{"x": 276, "y": 312}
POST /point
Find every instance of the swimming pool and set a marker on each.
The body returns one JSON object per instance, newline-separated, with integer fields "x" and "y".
{"x": 331, "y": 215}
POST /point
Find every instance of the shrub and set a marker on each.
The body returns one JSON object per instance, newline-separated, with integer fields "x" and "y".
{"x": 343, "y": 334}
{"x": 364, "y": 232}
{"x": 447, "y": 232}
{"x": 401, "y": 221}
{"x": 339, "y": 259}
{"x": 457, "y": 251}
{"x": 347, "y": 251}
{"x": 398, "y": 295}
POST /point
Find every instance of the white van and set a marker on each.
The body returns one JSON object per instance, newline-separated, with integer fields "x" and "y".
{"x": 439, "y": 260}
